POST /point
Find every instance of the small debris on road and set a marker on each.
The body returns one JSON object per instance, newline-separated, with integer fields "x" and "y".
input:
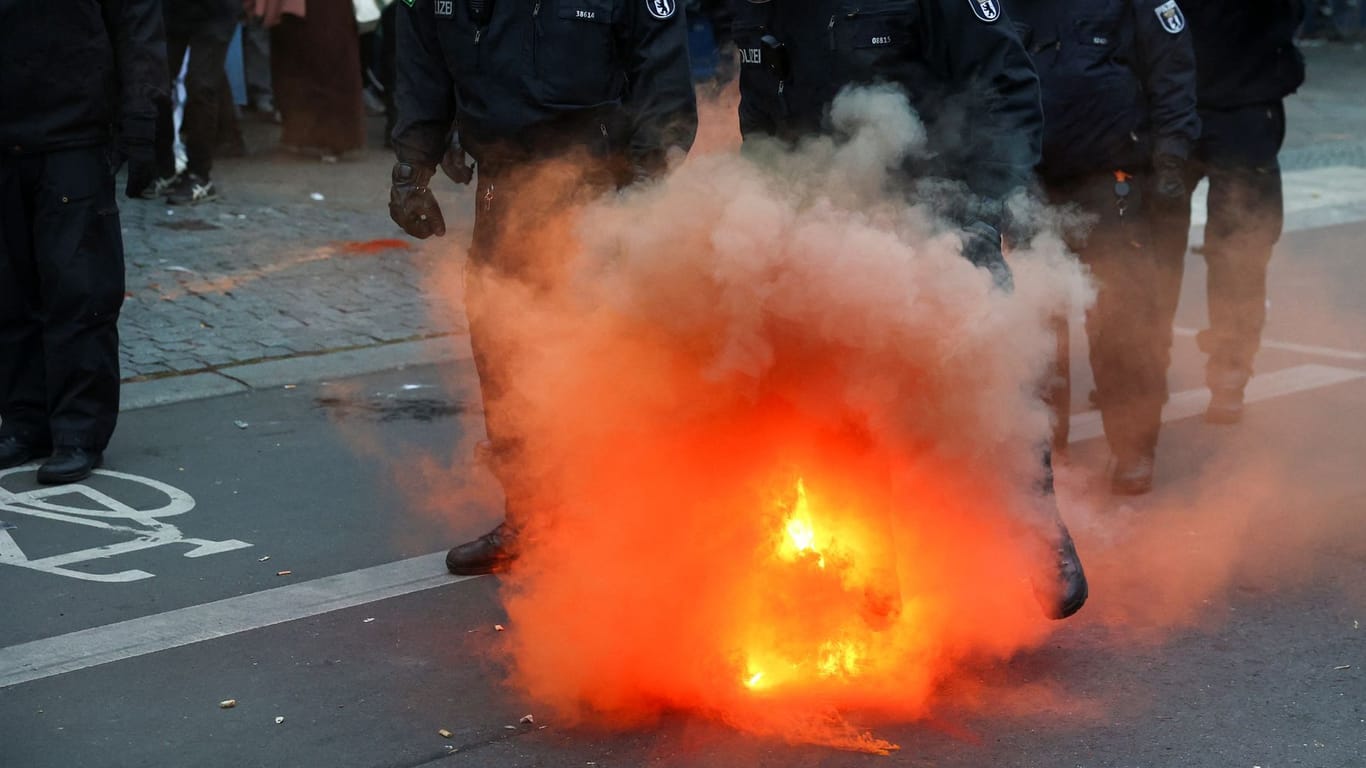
{"x": 291, "y": 386}
{"x": 317, "y": 196}
{"x": 240, "y": 424}
{"x": 528, "y": 719}
{"x": 279, "y": 719}
{"x": 227, "y": 703}
{"x": 1341, "y": 667}
{"x": 263, "y": 558}
{"x": 368, "y": 620}
{"x": 510, "y": 727}
{"x": 497, "y": 627}
{"x": 445, "y": 734}
{"x": 283, "y": 573}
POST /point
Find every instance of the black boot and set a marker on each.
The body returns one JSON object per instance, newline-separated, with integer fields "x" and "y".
{"x": 1133, "y": 475}
{"x": 69, "y": 464}
{"x": 15, "y": 451}
{"x": 1225, "y": 406}
{"x": 1068, "y": 593}
{"x": 491, "y": 553}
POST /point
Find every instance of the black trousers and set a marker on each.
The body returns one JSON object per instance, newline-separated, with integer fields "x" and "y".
{"x": 207, "y": 44}
{"x": 514, "y": 200}
{"x": 1237, "y": 152}
{"x": 1126, "y": 343}
{"x": 61, "y": 289}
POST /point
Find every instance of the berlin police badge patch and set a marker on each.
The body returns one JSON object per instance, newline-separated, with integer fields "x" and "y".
{"x": 1169, "y": 13}
{"x": 661, "y": 9}
{"x": 986, "y": 10}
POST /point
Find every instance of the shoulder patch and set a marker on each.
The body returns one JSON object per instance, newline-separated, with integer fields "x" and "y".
{"x": 1169, "y": 13}
{"x": 409, "y": 2}
{"x": 661, "y": 9}
{"x": 987, "y": 11}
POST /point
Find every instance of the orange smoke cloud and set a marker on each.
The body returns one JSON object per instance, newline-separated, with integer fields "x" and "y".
{"x": 781, "y": 438}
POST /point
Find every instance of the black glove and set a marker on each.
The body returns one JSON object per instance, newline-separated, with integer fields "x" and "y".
{"x": 1169, "y": 180}
{"x": 142, "y": 167}
{"x": 411, "y": 204}
{"x": 453, "y": 162}
{"x": 982, "y": 247}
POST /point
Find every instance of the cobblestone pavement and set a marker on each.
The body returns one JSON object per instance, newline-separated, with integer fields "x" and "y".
{"x": 299, "y": 257}
{"x": 296, "y": 257}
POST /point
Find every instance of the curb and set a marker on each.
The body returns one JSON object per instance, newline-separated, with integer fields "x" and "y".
{"x": 245, "y": 377}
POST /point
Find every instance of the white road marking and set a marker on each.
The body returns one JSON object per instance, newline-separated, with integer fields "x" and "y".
{"x": 1192, "y": 402}
{"x": 86, "y": 648}
{"x": 149, "y": 531}
{"x": 1287, "y": 346}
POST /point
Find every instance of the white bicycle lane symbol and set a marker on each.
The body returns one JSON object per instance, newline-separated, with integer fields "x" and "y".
{"x": 105, "y": 513}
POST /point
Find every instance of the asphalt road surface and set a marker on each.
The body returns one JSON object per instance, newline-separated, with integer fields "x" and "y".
{"x": 267, "y": 547}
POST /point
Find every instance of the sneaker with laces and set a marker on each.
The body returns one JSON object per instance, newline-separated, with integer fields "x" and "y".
{"x": 191, "y": 189}
{"x": 159, "y": 187}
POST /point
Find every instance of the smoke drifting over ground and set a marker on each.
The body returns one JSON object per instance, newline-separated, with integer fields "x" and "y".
{"x": 780, "y": 435}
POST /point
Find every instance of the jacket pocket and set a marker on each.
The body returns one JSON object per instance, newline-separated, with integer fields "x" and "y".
{"x": 575, "y": 59}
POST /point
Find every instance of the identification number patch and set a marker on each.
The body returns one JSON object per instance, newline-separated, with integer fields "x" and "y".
{"x": 445, "y": 8}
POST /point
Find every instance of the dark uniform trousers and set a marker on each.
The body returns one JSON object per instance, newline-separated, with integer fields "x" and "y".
{"x": 1237, "y": 152}
{"x": 61, "y": 289}
{"x": 1124, "y": 338}
{"x": 514, "y": 199}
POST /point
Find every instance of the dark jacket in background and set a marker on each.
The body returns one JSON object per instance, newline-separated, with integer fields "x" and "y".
{"x": 61, "y": 69}
{"x": 543, "y": 75}
{"x": 1118, "y": 80}
{"x": 1245, "y": 51}
{"x": 966, "y": 75}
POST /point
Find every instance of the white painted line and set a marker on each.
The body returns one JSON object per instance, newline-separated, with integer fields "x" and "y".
{"x": 1192, "y": 402}
{"x": 87, "y": 648}
{"x": 1304, "y": 349}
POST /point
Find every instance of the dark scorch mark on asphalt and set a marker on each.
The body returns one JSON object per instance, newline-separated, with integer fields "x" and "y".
{"x": 389, "y": 409}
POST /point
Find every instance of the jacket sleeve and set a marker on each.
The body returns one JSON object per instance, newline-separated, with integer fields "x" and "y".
{"x": 1166, "y": 65}
{"x": 138, "y": 36}
{"x": 993, "y": 85}
{"x": 425, "y": 92}
{"x": 659, "y": 102}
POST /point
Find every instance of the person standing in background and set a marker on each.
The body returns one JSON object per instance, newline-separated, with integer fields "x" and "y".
{"x": 315, "y": 74}
{"x": 1246, "y": 63}
{"x": 203, "y": 29}
{"x": 79, "y": 82}
{"x": 1118, "y": 80}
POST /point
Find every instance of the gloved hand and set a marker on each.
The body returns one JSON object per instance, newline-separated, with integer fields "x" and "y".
{"x": 982, "y": 247}
{"x": 1169, "y": 180}
{"x": 142, "y": 167}
{"x": 453, "y": 162}
{"x": 412, "y": 205}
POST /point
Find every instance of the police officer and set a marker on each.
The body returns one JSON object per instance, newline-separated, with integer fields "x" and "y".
{"x": 72, "y": 75}
{"x": 605, "y": 82}
{"x": 1247, "y": 63}
{"x": 1118, "y": 81}
{"x": 964, "y": 70}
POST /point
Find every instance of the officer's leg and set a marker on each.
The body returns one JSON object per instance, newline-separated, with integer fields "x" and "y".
{"x": 23, "y": 403}
{"x": 1122, "y": 332}
{"x": 494, "y": 550}
{"x": 1245, "y": 219}
{"x": 79, "y": 252}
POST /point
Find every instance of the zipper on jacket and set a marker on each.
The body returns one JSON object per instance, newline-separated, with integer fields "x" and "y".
{"x": 536, "y": 36}
{"x": 831, "y": 28}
